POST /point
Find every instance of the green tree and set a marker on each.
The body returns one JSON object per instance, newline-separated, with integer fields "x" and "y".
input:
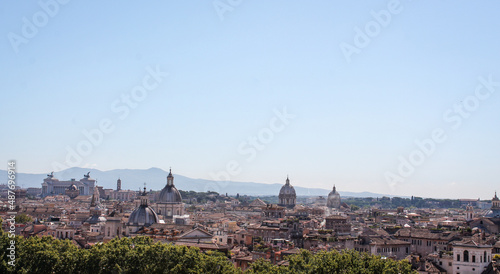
{"x": 23, "y": 218}
{"x": 262, "y": 266}
{"x": 142, "y": 255}
{"x": 354, "y": 207}
{"x": 348, "y": 261}
{"x": 136, "y": 255}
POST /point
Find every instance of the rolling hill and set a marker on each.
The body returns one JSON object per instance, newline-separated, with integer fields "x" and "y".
{"x": 155, "y": 178}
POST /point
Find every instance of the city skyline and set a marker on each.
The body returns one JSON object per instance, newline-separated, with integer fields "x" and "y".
{"x": 155, "y": 179}
{"x": 391, "y": 97}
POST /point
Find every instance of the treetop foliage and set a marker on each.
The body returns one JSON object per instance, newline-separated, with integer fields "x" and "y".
{"x": 142, "y": 255}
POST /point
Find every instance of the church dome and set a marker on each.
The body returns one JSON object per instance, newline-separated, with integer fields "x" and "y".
{"x": 287, "y": 196}
{"x": 170, "y": 194}
{"x": 287, "y": 189}
{"x": 143, "y": 215}
{"x": 333, "y": 199}
{"x": 72, "y": 187}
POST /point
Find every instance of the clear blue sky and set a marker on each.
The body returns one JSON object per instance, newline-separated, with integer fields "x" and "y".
{"x": 228, "y": 72}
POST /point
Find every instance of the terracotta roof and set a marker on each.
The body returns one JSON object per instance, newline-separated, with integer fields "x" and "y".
{"x": 430, "y": 267}
{"x": 426, "y": 234}
{"x": 387, "y": 241}
{"x": 246, "y": 258}
{"x": 336, "y": 217}
{"x": 470, "y": 242}
{"x": 203, "y": 245}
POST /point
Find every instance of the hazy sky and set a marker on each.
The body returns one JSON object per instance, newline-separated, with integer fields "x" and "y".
{"x": 328, "y": 92}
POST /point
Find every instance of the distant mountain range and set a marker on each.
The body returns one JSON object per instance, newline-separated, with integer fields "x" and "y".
{"x": 155, "y": 179}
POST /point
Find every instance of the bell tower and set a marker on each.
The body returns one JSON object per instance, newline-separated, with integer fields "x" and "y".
{"x": 144, "y": 197}
{"x": 469, "y": 213}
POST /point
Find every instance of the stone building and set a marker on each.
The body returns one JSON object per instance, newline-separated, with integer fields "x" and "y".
{"x": 495, "y": 207}
{"x": 470, "y": 256}
{"x": 64, "y": 231}
{"x": 52, "y": 185}
{"x": 273, "y": 211}
{"x": 424, "y": 241}
{"x": 379, "y": 242}
{"x": 287, "y": 196}
{"x": 120, "y": 194}
{"x": 267, "y": 230}
{"x": 114, "y": 226}
{"x": 490, "y": 225}
{"x": 338, "y": 224}
{"x": 388, "y": 247}
{"x": 96, "y": 220}
{"x": 491, "y": 222}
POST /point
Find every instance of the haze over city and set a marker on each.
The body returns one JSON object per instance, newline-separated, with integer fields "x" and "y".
{"x": 401, "y": 99}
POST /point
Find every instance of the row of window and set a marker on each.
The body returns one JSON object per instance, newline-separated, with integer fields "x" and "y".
{"x": 487, "y": 258}
{"x": 360, "y": 249}
{"x": 109, "y": 231}
{"x": 390, "y": 249}
{"x": 63, "y": 234}
{"x": 416, "y": 242}
{"x": 420, "y": 242}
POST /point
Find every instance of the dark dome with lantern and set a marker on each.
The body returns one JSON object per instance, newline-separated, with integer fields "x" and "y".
{"x": 144, "y": 215}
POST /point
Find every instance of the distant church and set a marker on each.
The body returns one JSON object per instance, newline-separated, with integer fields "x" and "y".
{"x": 143, "y": 216}
{"x": 495, "y": 207}
{"x": 168, "y": 205}
{"x": 169, "y": 202}
{"x": 491, "y": 221}
{"x": 333, "y": 199}
{"x": 287, "y": 196}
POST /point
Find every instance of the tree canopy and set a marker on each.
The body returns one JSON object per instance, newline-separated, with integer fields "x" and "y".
{"x": 23, "y": 218}
{"x": 142, "y": 255}
{"x": 347, "y": 261}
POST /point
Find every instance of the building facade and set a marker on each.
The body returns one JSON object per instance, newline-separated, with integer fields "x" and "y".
{"x": 425, "y": 242}
{"x": 495, "y": 207}
{"x": 471, "y": 257}
{"x": 338, "y": 224}
{"x": 52, "y": 185}
{"x": 273, "y": 211}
